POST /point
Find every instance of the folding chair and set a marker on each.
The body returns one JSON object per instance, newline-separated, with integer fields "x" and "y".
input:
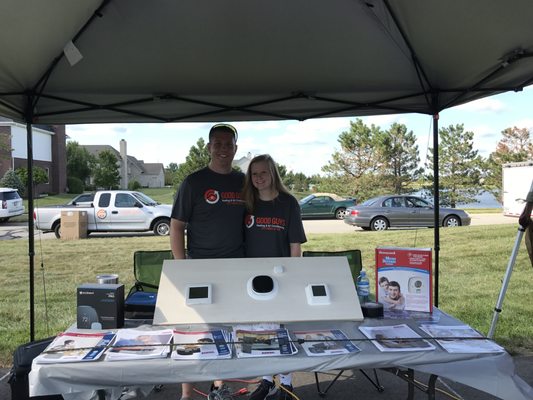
{"x": 355, "y": 262}
{"x": 141, "y": 299}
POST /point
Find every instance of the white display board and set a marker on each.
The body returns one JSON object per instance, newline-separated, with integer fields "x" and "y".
{"x": 230, "y": 291}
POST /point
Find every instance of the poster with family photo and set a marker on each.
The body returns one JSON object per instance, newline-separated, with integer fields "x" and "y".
{"x": 404, "y": 279}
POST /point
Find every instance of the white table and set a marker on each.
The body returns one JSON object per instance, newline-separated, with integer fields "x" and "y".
{"x": 491, "y": 373}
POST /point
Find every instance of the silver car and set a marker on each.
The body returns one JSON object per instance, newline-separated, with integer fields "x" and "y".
{"x": 392, "y": 211}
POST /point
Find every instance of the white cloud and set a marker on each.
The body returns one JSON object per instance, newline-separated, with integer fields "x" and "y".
{"x": 485, "y": 105}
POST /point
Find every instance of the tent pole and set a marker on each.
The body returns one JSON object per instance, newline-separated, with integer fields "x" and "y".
{"x": 31, "y": 236}
{"x": 436, "y": 205}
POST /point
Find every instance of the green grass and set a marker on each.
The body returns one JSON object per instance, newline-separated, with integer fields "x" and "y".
{"x": 472, "y": 264}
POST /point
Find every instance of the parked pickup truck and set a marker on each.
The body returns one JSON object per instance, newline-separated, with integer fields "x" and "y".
{"x": 111, "y": 211}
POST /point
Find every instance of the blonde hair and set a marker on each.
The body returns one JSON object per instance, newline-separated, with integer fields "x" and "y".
{"x": 250, "y": 194}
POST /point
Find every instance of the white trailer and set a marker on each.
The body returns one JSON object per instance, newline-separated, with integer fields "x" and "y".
{"x": 517, "y": 179}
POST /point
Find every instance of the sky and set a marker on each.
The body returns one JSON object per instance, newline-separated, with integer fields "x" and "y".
{"x": 307, "y": 146}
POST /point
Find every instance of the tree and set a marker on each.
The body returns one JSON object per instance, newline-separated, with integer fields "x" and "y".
{"x": 170, "y": 172}
{"x": 79, "y": 161}
{"x": 515, "y": 146}
{"x": 11, "y": 180}
{"x": 399, "y": 158}
{"x": 459, "y": 167}
{"x": 106, "y": 170}
{"x": 197, "y": 158}
{"x": 39, "y": 175}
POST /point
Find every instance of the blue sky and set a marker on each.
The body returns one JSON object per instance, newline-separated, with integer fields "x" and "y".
{"x": 307, "y": 146}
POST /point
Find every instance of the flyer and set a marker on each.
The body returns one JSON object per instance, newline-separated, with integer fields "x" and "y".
{"x": 461, "y": 339}
{"x": 396, "y": 338}
{"x": 325, "y": 342}
{"x": 404, "y": 279}
{"x": 72, "y": 347}
{"x": 263, "y": 343}
{"x": 201, "y": 345}
{"x": 140, "y": 344}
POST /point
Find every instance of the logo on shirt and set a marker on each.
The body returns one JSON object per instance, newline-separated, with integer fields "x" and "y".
{"x": 249, "y": 221}
{"x": 211, "y": 196}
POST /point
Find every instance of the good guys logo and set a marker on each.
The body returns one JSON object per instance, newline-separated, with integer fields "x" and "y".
{"x": 211, "y": 196}
{"x": 249, "y": 221}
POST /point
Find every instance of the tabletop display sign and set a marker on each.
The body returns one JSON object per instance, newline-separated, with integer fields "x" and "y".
{"x": 404, "y": 279}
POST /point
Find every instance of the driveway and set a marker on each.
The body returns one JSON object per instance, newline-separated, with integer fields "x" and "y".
{"x": 19, "y": 230}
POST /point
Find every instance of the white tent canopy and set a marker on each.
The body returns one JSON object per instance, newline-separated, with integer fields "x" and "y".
{"x": 206, "y": 60}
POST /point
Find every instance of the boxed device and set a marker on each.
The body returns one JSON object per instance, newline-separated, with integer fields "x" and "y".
{"x": 100, "y": 306}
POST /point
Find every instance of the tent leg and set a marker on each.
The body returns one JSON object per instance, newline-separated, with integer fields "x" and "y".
{"x": 436, "y": 202}
{"x": 31, "y": 236}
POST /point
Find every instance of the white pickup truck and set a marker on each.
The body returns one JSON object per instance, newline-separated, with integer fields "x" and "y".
{"x": 110, "y": 211}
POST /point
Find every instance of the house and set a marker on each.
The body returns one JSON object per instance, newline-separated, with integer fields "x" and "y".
{"x": 243, "y": 163}
{"x": 49, "y": 152}
{"x": 150, "y": 175}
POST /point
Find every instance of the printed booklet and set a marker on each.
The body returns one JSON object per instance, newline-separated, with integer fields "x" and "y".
{"x": 396, "y": 338}
{"x": 71, "y": 347}
{"x": 456, "y": 339}
{"x": 201, "y": 345}
{"x": 140, "y": 344}
{"x": 325, "y": 342}
{"x": 404, "y": 279}
{"x": 257, "y": 342}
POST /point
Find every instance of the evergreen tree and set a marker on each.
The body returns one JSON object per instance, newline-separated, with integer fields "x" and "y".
{"x": 197, "y": 158}
{"x": 11, "y": 180}
{"x": 106, "y": 171}
{"x": 459, "y": 167}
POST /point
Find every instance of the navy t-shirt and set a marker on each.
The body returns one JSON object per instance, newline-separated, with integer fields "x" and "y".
{"x": 211, "y": 205}
{"x": 273, "y": 226}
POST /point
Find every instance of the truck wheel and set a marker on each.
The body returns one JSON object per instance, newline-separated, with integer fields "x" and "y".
{"x": 57, "y": 230}
{"x": 162, "y": 227}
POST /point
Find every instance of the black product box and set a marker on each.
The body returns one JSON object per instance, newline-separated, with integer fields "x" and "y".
{"x": 100, "y": 304}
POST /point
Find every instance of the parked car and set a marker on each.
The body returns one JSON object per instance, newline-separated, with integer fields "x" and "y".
{"x": 10, "y": 204}
{"x": 392, "y": 211}
{"x": 325, "y": 205}
{"x": 111, "y": 211}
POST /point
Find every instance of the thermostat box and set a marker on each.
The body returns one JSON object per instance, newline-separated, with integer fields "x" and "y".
{"x": 100, "y": 304}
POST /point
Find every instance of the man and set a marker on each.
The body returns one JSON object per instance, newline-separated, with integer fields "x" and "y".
{"x": 396, "y": 300}
{"x": 209, "y": 206}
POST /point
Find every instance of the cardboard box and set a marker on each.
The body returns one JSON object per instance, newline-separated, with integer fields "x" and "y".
{"x": 73, "y": 225}
{"x": 100, "y": 304}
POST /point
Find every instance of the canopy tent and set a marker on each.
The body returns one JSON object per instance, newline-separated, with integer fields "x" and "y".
{"x": 65, "y": 62}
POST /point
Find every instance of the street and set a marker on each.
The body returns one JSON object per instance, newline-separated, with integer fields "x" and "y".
{"x": 19, "y": 230}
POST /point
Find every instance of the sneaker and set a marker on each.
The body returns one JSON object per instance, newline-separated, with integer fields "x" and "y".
{"x": 221, "y": 393}
{"x": 264, "y": 390}
{"x": 284, "y": 393}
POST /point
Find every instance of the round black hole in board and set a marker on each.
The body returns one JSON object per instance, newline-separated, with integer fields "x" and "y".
{"x": 262, "y": 284}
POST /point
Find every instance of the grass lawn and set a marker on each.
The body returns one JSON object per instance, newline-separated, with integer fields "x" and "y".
{"x": 472, "y": 264}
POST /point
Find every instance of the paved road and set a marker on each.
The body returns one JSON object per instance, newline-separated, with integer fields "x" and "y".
{"x": 19, "y": 230}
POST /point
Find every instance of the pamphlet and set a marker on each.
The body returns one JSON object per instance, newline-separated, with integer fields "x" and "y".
{"x": 140, "y": 344}
{"x": 461, "y": 339}
{"x": 72, "y": 347}
{"x": 325, "y": 342}
{"x": 263, "y": 343}
{"x": 396, "y": 338}
{"x": 404, "y": 279}
{"x": 201, "y": 345}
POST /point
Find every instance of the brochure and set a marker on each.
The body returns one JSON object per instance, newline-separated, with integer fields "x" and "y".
{"x": 455, "y": 339}
{"x": 325, "y": 342}
{"x": 396, "y": 338}
{"x": 140, "y": 344}
{"x": 263, "y": 343}
{"x": 404, "y": 279}
{"x": 201, "y": 345}
{"x": 71, "y": 347}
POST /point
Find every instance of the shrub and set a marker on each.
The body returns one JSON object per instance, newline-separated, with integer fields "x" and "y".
{"x": 134, "y": 185}
{"x": 11, "y": 180}
{"x": 75, "y": 185}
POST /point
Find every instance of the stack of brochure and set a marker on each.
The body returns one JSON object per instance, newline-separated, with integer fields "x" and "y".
{"x": 71, "y": 347}
{"x": 396, "y": 338}
{"x": 140, "y": 344}
{"x": 201, "y": 345}
{"x": 461, "y": 339}
{"x": 262, "y": 341}
{"x": 325, "y": 342}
